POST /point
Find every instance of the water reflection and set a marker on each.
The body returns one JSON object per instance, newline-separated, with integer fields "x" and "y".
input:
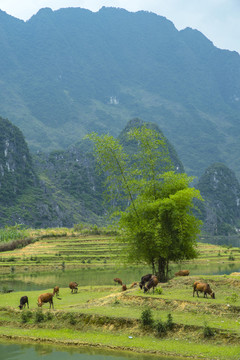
{"x": 101, "y": 276}
{"x": 47, "y": 352}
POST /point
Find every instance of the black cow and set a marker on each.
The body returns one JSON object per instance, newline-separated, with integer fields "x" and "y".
{"x": 144, "y": 279}
{"x": 23, "y": 302}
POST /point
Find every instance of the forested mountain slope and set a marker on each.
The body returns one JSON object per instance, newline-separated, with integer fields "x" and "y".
{"x": 69, "y": 72}
{"x": 62, "y": 188}
{"x": 221, "y": 191}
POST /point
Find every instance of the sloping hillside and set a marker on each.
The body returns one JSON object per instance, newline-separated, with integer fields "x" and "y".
{"x": 68, "y": 72}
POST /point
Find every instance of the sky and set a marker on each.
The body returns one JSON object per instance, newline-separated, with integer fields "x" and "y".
{"x": 218, "y": 20}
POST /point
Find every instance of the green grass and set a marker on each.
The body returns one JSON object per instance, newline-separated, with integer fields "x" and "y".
{"x": 122, "y": 341}
{"x": 56, "y": 246}
{"x": 104, "y": 315}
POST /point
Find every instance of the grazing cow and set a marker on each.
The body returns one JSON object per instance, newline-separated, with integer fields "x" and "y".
{"x": 182, "y": 273}
{"x": 152, "y": 283}
{"x": 144, "y": 279}
{"x": 56, "y": 290}
{"x": 47, "y": 297}
{"x": 124, "y": 288}
{"x": 119, "y": 281}
{"x": 23, "y": 302}
{"x": 203, "y": 287}
{"x": 73, "y": 286}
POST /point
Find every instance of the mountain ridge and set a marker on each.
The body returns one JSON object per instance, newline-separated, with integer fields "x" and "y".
{"x": 68, "y": 72}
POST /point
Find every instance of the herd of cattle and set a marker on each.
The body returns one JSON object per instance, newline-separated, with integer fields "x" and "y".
{"x": 147, "y": 282}
{"x": 150, "y": 281}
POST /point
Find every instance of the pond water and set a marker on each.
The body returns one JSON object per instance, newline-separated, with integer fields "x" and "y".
{"x": 47, "y": 352}
{"x": 44, "y": 280}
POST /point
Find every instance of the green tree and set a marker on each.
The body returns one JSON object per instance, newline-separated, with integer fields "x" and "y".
{"x": 157, "y": 223}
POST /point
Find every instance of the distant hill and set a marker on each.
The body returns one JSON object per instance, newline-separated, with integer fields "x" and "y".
{"x": 221, "y": 191}
{"x": 60, "y": 188}
{"x": 16, "y": 167}
{"x": 69, "y": 72}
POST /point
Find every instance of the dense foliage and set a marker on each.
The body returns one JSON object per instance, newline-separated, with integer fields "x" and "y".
{"x": 157, "y": 223}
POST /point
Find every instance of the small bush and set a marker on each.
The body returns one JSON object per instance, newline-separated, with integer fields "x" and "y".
{"x": 231, "y": 258}
{"x": 169, "y": 323}
{"x": 161, "y": 328}
{"x": 72, "y": 319}
{"x": 147, "y": 318}
{"x": 39, "y": 316}
{"x": 26, "y": 316}
{"x": 49, "y": 315}
{"x": 158, "y": 290}
{"x": 207, "y": 331}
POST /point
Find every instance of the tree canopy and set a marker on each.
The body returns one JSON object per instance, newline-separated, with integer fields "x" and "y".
{"x": 156, "y": 218}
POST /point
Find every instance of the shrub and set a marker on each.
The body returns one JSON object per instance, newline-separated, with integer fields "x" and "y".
{"x": 161, "y": 328}
{"x": 39, "y": 316}
{"x": 4, "y": 289}
{"x": 72, "y": 319}
{"x": 207, "y": 331}
{"x": 26, "y": 316}
{"x": 169, "y": 323}
{"x": 147, "y": 318}
{"x": 49, "y": 315}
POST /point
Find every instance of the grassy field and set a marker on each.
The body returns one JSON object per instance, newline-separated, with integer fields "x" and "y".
{"x": 108, "y": 317}
{"x": 105, "y": 316}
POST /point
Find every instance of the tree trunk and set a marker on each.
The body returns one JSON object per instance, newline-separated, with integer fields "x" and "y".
{"x": 162, "y": 270}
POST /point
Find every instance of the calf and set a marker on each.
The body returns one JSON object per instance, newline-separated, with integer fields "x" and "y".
{"x": 118, "y": 280}
{"x": 73, "y": 286}
{"x": 203, "y": 287}
{"x": 23, "y": 302}
{"x": 124, "y": 287}
{"x": 56, "y": 290}
{"x": 152, "y": 283}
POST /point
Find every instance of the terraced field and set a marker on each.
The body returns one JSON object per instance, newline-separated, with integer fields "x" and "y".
{"x": 95, "y": 250}
{"x": 60, "y": 251}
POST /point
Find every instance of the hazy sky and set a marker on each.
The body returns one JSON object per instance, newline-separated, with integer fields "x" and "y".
{"x": 218, "y": 20}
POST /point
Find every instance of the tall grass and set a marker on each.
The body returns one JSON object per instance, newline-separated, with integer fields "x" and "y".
{"x": 9, "y": 233}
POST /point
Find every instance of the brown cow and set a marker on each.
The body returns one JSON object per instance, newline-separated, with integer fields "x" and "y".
{"x": 47, "y": 297}
{"x": 124, "y": 288}
{"x": 56, "y": 290}
{"x": 203, "y": 287}
{"x": 152, "y": 283}
{"x": 73, "y": 286}
{"x": 118, "y": 280}
{"x": 182, "y": 273}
